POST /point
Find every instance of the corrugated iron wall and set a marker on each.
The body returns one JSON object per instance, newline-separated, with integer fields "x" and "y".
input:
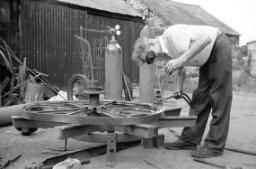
{"x": 9, "y": 27}
{"x": 48, "y": 41}
{"x": 9, "y": 33}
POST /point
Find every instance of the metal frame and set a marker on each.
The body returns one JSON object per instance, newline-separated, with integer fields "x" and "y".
{"x": 102, "y": 129}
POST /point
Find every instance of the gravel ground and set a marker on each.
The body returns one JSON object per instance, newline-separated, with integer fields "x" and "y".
{"x": 242, "y": 135}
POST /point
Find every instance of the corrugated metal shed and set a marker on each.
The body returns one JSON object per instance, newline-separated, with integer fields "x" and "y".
{"x": 48, "y": 40}
{"x": 113, "y": 6}
{"x": 173, "y": 12}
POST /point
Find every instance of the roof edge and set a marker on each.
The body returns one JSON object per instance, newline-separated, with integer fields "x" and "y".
{"x": 182, "y": 3}
{"x": 93, "y": 11}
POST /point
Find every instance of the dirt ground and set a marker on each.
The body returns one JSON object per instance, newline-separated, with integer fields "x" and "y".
{"x": 242, "y": 135}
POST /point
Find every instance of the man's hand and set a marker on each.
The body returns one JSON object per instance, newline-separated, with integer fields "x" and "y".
{"x": 177, "y": 94}
{"x": 172, "y": 65}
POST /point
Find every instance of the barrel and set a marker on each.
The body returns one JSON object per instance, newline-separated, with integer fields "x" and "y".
{"x": 252, "y": 57}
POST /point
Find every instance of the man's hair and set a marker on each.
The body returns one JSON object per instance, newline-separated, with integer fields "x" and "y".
{"x": 140, "y": 49}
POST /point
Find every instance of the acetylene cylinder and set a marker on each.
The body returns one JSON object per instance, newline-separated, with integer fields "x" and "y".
{"x": 146, "y": 83}
{"x": 113, "y": 70}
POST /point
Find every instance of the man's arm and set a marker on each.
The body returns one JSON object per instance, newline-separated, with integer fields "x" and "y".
{"x": 196, "y": 47}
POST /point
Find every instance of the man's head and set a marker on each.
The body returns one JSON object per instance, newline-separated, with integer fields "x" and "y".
{"x": 146, "y": 49}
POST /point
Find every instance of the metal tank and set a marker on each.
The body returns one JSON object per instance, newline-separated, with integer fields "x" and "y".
{"x": 146, "y": 83}
{"x": 113, "y": 70}
{"x": 146, "y": 73}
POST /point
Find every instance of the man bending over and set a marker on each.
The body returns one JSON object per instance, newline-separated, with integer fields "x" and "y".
{"x": 208, "y": 48}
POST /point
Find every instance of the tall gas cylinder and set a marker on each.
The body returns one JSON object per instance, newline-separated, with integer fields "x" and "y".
{"x": 146, "y": 75}
{"x": 146, "y": 83}
{"x": 113, "y": 70}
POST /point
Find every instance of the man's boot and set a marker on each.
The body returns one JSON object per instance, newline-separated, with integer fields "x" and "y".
{"x": 180, "y": 145}
{"x": 204, "y": 152}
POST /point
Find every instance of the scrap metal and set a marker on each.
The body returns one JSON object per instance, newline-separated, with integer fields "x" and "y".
{"x": 82, "y": 155}
{"x": 13, "y": 82}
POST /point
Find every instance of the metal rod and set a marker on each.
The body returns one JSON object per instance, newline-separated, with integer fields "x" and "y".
{"x": 66, "y": 144}
{"x": 126, "y": 85}
{"x": 159, "y": 83}
{"x": 89, "y": 54}
{"x": 94, "y": 30}
{"x": 241, "y": 151}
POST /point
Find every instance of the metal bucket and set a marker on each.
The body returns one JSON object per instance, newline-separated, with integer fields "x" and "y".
{"x": 34, "y": 92}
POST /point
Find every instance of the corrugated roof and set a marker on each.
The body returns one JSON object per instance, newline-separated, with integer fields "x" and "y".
{"x": 179, "y": 13}
{"x": 113, "y": 6}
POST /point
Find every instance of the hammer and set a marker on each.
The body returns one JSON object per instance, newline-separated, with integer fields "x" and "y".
{"x": 215, "y": 165}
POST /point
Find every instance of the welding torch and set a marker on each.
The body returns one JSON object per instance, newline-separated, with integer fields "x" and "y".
{"x": 178, "y": 95}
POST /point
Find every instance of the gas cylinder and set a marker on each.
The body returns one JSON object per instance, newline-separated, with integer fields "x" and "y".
{"x": 146, "y": 83}
{"x": 146, "y": 75}
{"x": 113, "y": 70}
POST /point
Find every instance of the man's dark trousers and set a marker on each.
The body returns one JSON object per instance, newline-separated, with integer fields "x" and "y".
{"x": 214, "y": 94}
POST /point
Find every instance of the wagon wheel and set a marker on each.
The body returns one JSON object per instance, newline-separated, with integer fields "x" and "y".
{"x": 112, "y": 113}
{"x": 77, "y": 84}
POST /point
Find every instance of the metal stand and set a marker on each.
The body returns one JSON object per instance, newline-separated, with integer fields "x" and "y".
{"x": 109, "y": 122}
{"x": 94, "y": 96}
{"x": 111, "y": 148}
